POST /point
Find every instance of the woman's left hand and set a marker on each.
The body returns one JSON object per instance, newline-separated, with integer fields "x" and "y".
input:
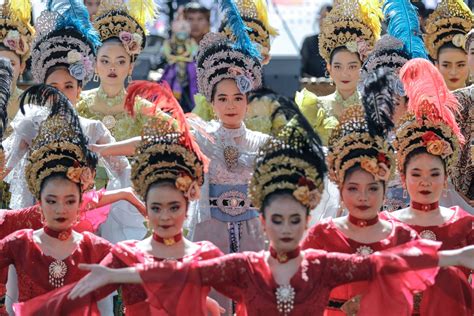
{"x": 213, "y": 307}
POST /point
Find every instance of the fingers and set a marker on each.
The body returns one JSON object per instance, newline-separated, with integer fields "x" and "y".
{"x": 86, "y": 266}
{"x": 221, "y": 309}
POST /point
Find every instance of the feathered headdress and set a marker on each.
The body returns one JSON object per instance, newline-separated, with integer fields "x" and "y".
{"x": 65, "y": 38}
{"x": 60, "y": 146}
{"x": 361, "y": 137}
{"x": 168, "y": 150}
{"x": 126, "y": 21}
{"x": 254, "y": 14}
{"x": 449, "y": 23}
{"x": 354, "y": 24}
{"x": 16, "y": 31}
{"x": 6, "y": 75}
{"x": 293, "y": 160}
{"x": 431, "y": 121}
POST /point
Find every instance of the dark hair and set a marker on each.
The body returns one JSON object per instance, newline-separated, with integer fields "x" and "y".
{"x": 419, "y": 151}
{"x": 449, "y": 45}
{"x": 115, "y": 40}
{"x": 196, "y": 7}
{"x": 55, "y": 176}
{"x": 357, "y": 167}
{"x": 52, "y": 69}
{"x": 340, "y": 49}
{"x": 275, "y": 194}
{"x": 215, "y": 88}
{"x": 162, "y": 183}
{"x": 326, "y": 7}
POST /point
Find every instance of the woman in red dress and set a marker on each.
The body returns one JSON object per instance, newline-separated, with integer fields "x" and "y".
{"x": 427, "y": 143}
{"x": 168, "y": 173}
{"x": 360, "y": 161}
{"x": 57, "y": 173}
{"x": 286, "y": 184}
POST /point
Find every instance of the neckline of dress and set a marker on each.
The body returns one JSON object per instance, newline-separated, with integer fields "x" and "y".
{"x": 231, "y": 134}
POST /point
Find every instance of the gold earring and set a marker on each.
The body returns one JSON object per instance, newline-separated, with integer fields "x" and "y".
{"x": 42, "y": 219}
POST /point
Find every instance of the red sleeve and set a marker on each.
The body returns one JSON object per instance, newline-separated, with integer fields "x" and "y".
{"x": 6, "y": 245}
{"x": 209, "y": 251}
{"x": 399, "y": 272}
{"x": 13, "y": 220}
{"x": 174, "y": 284}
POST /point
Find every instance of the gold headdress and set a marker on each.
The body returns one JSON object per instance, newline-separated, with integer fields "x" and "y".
{"x": 449, "y": 23}
{"x": 360, "y": 138}
{"x": 16, "y": 32}
{"x": 430, "y": 122}
{"x": 125, "y": 22}
{"x": 354, "y": 24}
{"x": 292, "y": 161}
{"x": 254, "y": 13}
{"x": 60, "y": 146}
{"x": 168, "y": 150}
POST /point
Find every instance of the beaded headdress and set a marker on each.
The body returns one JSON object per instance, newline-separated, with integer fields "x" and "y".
{"x": 65, "y": 37}
{"x": 449, "y": 23}
{"x": 354, "y": 24}
{"x": 360, "y": 137}
{"x": 219, "y": 58}
{"x": 60, "y": 146}
{"x": 402, "y": 42}
{"x": 126, "y": 22}
{"x": 293, "y": 160}
{"x": 430, "y": 122}
{"x": 254, "y": 14}
{"x": 469, "y": 39}
{"x": 6, "y": 76}
{"x": 167, "y": 150}
{"x": 16, "y": 32}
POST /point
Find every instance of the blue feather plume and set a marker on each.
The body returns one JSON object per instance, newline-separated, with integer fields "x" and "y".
{"x": 403, "y": 24}
{"x": 236, "y": 24}
{"x": 74, "y": 14}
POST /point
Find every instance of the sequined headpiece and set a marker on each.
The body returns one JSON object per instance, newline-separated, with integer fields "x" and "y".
{"x": 65, "y": 38}
{"x": 360, "y": 138}
{"x": 167, "y": 150}
{"x": 354, "y": 24}
{"x": 254, "y": 14}
{"x": 60, "y": 146}
{"x": 218, "y": 59}
{"x": 293, "y": 160}
{"x": 469, "y": 39}
{"x": 126, "y": 22}
{"x": 6, "y": 76}
{"x": 430, "y": 122}
{"x": 449, "y": 23}
{"x": 16, "y": 32}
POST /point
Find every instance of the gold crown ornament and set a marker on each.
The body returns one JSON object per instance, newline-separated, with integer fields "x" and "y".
{"x": 449, "y": 23}
{"x": 16, "y": 31}
{"x": 354, "y": 24}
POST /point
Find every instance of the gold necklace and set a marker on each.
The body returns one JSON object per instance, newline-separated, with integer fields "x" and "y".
{"x": 110, "y": 101}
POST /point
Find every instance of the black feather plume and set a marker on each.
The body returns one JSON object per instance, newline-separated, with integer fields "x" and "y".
{"x": 379, "y": 89}
{"x": 6, "y": 75}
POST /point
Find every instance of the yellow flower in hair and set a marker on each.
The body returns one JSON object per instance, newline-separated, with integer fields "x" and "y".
{"x": 435, "y": 147}
{"x": 302, "y": 195}
{"x": 370, "y": 165}
{"x": 74, "y": 174}
{"x": 183, "y": 183}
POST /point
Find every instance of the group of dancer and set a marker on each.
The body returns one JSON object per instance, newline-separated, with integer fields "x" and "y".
{"x": 255, "y": 204}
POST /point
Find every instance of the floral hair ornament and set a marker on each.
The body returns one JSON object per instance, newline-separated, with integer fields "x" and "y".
{"x": 80, "y": 66}
{"x": 242, "y": 79}
{"x": 16, "y": 42}
{"x": 307, "y": 193}
{"x": 81, "y": 175}
{"x": 377, "y": 166}
{"x": 131, "y": 42}
{"x": 430, "y": 121}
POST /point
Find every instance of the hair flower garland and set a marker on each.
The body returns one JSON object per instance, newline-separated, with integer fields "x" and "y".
{"x": 131, "y": 42}
{"x": 379, "y": 167}
{"x": 16, "y": 42}
{"x": 243, "y": 79}
{"x": 307, "y": 193}
{"x": 81, "y": 175}
{"x": 435, "y": 145}
{"x": 80, "y": 67}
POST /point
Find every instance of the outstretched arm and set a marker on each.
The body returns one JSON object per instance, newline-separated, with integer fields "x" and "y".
{"x": 126, "y": 194}
{"x": 123, "y": 148}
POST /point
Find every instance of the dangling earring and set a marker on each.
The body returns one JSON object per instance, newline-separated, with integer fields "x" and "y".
{"x": 129, "y": 79}
{"x": 78, "y": 219}
{"x": 471, "y": 78}
{"x": 21, "y": 77}
{"x": 96, "y": 77}
{"x": 327, "y": 75}
{"x": 405, "y": 194}
{"x": 340, "y": 211}
{"x": 42, "y": 219}
{"x": 445, "y": 192}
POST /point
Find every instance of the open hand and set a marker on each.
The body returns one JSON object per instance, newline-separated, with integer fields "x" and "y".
{"x": 98, "y": 277}
{"x": 213, "y": 308}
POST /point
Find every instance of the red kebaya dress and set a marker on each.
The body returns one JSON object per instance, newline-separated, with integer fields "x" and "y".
{"x": 326, "y": 236}
{"x": 30, "y": 217}
{"x": 451, "y": 294}
{"x": 247, "y": 279}
{"x": 34, "y": 267}
{"x": 126, "y": 254}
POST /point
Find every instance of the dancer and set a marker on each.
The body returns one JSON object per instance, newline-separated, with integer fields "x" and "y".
{"x": 427, "y": 143}
{"x": 446, "y": 29}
